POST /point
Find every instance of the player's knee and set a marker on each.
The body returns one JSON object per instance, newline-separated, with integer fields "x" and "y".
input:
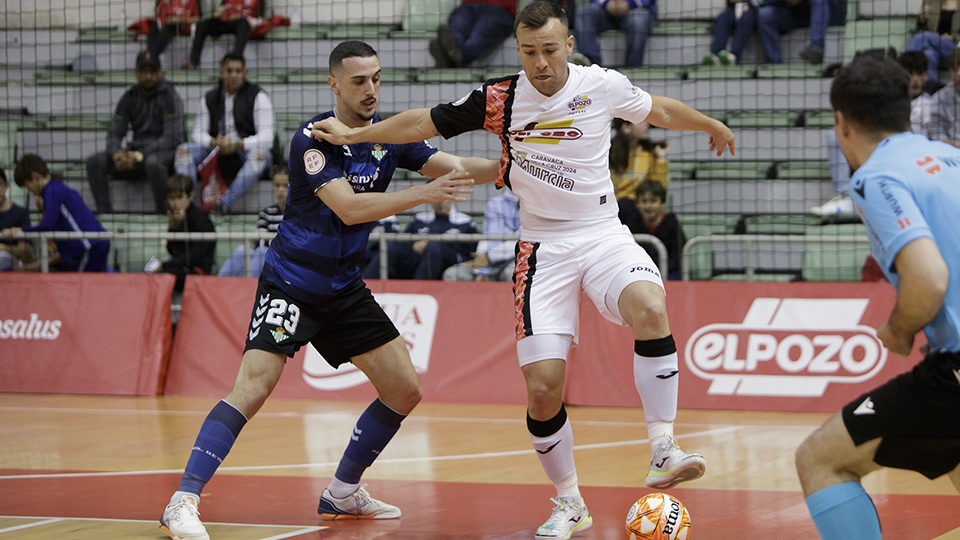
{"x": 805, "y": 457}
{"x": 646, "y": 312}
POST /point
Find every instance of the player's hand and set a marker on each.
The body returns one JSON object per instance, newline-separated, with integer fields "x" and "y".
{"x": 122, "y": 161}
{"x": 10, "y": 232}
{"x": 448, "y": 187}
{"x": 330, "y": 130}
{"x": 419, "y": 246}
{"x": 722, "y": 138}
{"x": 176, "y": 217}
{"x": 895, "y": 343}
{"x": 480, "y": 260}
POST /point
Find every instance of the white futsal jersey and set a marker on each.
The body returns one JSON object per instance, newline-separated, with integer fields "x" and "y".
{"x": 555, "y": 147}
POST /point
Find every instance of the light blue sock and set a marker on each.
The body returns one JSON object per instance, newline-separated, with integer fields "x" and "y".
{"x": 844, "y": 512}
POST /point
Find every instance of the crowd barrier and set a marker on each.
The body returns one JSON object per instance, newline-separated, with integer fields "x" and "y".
{"x": 747, "y": 346}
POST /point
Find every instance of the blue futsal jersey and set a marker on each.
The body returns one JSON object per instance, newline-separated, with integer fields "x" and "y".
{"x": 909, "y": 188}
{"x": 315, "y": 255}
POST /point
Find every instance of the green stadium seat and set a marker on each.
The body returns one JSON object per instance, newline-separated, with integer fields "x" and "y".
{"x": 763, "y": 119}
{"x": 731, "y": 170}
{"x": 655, "y": 73}
{"x": 426, "y": 15}
{"x": 707, "y": 224}
{"x": 795, "y": 224}
{"x": 803, "y": 170}
{"x": 451, "y": 75}
{"x": 709, "y": 73}
{"x": 671, "y": 28}
{"x": 789, "y": 71}
{"x": 818, "y": 119}
{"x": 876, "y": 34}
{"x": 830, "y": 261}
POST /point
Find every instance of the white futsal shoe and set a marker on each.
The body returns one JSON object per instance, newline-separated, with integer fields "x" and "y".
{"x": 181, "y": 520}
{"x": 569, "y": 516}
{"x": 357, "y": 505}
{"x": 670, "y": 465}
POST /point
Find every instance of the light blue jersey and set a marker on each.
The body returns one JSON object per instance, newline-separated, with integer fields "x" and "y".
{"x": 909, "y": 188}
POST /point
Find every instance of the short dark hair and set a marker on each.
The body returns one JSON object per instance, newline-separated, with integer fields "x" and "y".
{"x": 914, "y": 62}
{"x": 179, "y": 184}
{"x": 874, "y": 94}
{"x": 539, "y": 13}
{"x": 652, "y": 187}
{"x": 349, "y": 49}
{"x": 233, "y": 56}
{"x": 953, "y": 60}
{"x": 29, "y": 164}
{"x": 3, "y": 177}
{"x": 279, "y": 168}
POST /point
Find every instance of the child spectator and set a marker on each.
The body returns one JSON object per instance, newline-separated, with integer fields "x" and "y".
{"x": 635, "y": 158}
{"x": 186, "y": 256}
{"x": 270, "y": 218}
{"x": 64, "y": 210}
{"x": 648, "y": 216}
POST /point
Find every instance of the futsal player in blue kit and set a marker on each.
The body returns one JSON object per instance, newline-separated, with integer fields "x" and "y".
{"x": 907, "y": 191}
{"x": 311, "y": 291}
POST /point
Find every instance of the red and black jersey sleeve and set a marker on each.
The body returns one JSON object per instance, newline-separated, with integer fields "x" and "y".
{"x": 487, "y": 107}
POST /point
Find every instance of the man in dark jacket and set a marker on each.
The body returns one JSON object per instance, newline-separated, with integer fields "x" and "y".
{"x": 236, "y": 119}
{"x": 154, "y": 111}
{"x": 186, "y": 256}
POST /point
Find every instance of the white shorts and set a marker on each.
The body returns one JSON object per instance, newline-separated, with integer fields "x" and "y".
{"x": 600, "y": 261}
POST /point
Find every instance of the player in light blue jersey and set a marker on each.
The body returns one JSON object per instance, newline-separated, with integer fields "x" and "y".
{"x": 311, "y": 291}
{"x": 907, "y": 190}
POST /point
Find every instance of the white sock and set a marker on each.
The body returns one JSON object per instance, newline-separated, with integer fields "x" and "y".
{"x": 556, "y": 456}
{"x": 178, "y": 495}
{"x": 340, "y": 489}
{"x": 657, "y": 381}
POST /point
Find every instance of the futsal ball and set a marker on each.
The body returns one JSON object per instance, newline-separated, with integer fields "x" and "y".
{"x": 658, "y": 516}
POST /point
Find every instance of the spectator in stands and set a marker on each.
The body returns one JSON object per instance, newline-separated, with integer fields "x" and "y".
{"x": 738, "y": 19}
{"x": 270, "y": 218}
{"x": 476, "y": 27}
{"x": 937, "y": 33}
{"x": 635, "y": 158}
{"x": 944, "y": 120}
{"x": 647, "y": 214}
{"x": 13, "y": 253}
{"x": 186, "y": 256}
{"x": 236, "y": 119}
{"x": 634, "y": 17}
{"x": 153, "y": 110}
{"x": 232, "y": 17}
{"x": 916, "y": 64}
{"x": 781, "y": 16}
{"x": 174, "y": 17}
{"x": 424, "y": 259}
{"x": 494, "y": 260}
{"x": 63, "y": 211}
{"x": 388, "y": 224}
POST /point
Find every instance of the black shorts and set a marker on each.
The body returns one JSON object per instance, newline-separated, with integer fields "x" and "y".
{"x": 345, "y": 326}
{"x": 916, "y": 415}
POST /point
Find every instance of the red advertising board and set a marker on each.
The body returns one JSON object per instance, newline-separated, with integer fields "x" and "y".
{"x": 751, "y": 346}
{"x": 84, "y": 333}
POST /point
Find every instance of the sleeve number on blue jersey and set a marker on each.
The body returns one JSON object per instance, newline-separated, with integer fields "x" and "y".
{"x": 279, "y": 308}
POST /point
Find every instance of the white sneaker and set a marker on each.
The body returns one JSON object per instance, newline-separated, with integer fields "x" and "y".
{"x": 569, "y": 516}
{"x": 670, "y": 465}
{"x": 357, "y": 505}
{"x": 182, "y": 520}
{"x": 836, "y": 205}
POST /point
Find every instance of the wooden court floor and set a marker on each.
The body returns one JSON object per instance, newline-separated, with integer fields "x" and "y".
{"x": 104, "y": 467}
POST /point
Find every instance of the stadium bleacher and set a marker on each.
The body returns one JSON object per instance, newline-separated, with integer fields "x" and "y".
{"x": 779, "y": 112}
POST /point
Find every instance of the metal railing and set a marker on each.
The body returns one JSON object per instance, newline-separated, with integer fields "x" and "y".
{"x": 249, "y": 238}
{"x": 749, "y": 242}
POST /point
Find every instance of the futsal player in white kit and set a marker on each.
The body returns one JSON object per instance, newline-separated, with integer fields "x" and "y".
{"x": 553, "y": 120}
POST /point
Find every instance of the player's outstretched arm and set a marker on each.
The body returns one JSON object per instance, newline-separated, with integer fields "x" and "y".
{"x": 354, "y": 208}
{"x": 924, "y": 277}
{"x": 676, "y": 115}
{"x": 414, "y": 125}
{"x": 482, "y": 170}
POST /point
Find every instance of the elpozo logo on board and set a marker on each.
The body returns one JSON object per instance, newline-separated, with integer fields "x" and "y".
{"x": 415, "y": 316}
{"x": 790, "y": 347}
